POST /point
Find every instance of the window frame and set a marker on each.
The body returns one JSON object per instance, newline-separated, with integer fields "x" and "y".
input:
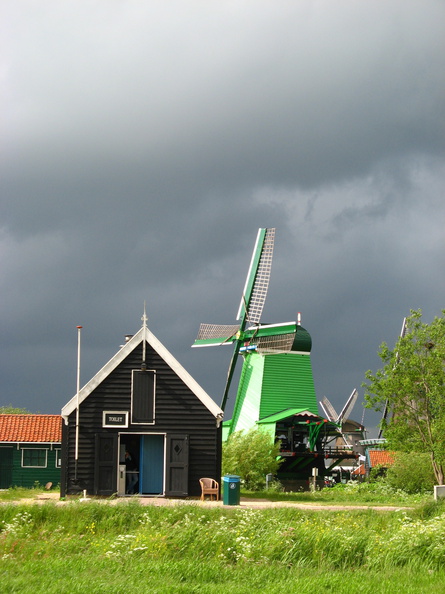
{"x": 25, "y": 450}
{"x": 58, "y": 457}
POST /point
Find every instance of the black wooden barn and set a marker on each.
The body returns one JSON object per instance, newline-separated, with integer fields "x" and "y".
{"x": 145, "y": 402}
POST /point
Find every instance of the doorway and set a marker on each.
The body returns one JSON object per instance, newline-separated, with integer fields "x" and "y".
{"x": 152, "y": 465}
{"x": 148, "y": 453}
{"x": 6, "y": 464}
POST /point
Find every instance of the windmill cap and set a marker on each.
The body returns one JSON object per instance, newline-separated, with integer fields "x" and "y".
{"x": 302, "y": 340}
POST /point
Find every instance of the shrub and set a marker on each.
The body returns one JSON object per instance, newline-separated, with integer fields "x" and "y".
{"x": 411, "y": 472}
{"x": 250, "y": 455}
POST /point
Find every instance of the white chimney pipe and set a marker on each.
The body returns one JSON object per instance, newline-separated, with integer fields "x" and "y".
{"x": 76, "y": 454}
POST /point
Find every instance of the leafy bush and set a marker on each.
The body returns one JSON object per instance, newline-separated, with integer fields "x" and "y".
{"x": 411, "y": 472}
{"x": 250, "y": 455}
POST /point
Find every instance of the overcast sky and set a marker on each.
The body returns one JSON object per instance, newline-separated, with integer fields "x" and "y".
{"x": 144, "y": 143}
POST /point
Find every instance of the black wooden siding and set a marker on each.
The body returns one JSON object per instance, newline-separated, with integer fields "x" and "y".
{"x": 177, "y": 409}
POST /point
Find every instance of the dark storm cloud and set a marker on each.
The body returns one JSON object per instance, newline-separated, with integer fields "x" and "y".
{"x": 144, "y": 144}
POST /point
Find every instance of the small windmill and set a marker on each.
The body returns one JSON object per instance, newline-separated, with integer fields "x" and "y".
{"x": 250, "y": 335}
{"x": 339, "y": 419}
{"x": 387, "y": 406}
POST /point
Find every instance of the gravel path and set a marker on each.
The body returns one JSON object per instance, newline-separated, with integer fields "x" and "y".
{"x": 245, "y": 503}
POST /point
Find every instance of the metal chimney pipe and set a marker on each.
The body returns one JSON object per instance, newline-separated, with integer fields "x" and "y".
{"x": 76, "y": 453}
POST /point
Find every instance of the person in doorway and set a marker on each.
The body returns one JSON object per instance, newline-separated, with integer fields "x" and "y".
{"x": 131, "y": 473}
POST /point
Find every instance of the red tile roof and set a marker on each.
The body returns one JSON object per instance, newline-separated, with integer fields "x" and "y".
{"x": 360, "y": 471}
{"x": 31, "y": 428}
{"x": 380, "y": 458}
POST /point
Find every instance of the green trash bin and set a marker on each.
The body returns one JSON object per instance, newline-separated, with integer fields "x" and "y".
{"x": 231, "y": 491}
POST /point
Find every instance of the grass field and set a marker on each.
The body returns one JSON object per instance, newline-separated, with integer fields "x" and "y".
{"x": 94, "y": 547}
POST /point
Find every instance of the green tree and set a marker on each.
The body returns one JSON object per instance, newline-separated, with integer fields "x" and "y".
{"x": 12, "y": 410}
{"x": 250, "y": 455}
{"x": 412, "y": 383}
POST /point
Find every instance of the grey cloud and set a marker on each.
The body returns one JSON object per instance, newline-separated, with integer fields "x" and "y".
{"x": 143, "y": 145}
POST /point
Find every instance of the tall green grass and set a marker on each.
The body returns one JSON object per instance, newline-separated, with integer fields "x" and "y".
{"x": 94, "y": 547}
{"x": 351, "y": 493}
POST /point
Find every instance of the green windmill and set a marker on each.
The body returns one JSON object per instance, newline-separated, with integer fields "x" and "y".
{"x": 276, "y": 389}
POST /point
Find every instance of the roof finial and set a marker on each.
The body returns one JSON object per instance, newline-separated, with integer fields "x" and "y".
{"x": 144, "y": 318}
{"x": 144, "y": 326}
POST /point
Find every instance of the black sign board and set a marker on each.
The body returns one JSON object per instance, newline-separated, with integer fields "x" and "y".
{"x": 115, "y": 418}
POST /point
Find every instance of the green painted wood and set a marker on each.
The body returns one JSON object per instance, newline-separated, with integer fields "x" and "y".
{"x": 287, "y": 383}
{"x": 6, "y": 463}
{"x": 248, "y": 399}
{"x": 270, "y": 384}
{"x": 302, "y": 340}
{"x": 29, "y": 476}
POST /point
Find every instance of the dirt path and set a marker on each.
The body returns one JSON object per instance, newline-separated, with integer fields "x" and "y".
{"x": 245, "y": 503}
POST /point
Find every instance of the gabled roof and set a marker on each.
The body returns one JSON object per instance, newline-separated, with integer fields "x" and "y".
{"x": 288, "y": 412}
{"x": 31, "y": 428}
{"x": 380, "y": 458}
{"x": 144, "y": 334}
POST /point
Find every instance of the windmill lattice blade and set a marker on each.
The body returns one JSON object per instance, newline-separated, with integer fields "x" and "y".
{"x": 348, "y": 406}
{"x": 327, "y": 406}
{"x": 386, "y": 409}
{"x": 259, "y": 292}
{"x": 403, "y": 330}
{"x": 280, "y": 343}
{"x": 327, "y": 415}
{"x": 212, "y": 331}
{"x": 257, "y": 282}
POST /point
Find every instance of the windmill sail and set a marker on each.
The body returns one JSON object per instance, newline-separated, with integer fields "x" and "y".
{"x": 257, "y": 281}
{"x": 216, "y": 334}
{"x": 339, "y": 419}
{"x": 386, "y": 409}
{"x": 328, "y": 409}
{"x": 250, "y": 310}
{"x": 346, "y": 411}
{"x": 276, "y": 343}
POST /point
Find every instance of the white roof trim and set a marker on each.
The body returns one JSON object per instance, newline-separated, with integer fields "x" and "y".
{"x": 143, "y": 334}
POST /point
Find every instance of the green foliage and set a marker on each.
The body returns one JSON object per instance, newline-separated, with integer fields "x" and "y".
{"x": 377, "y": 473}
{"x": 12, "y": 410}
{"x": 376, "y": 492}
{"x": 412, "y": 382}
{"x": 411, "y": 472}
{"x": 184, "y": 547}
{"x": 250, "y": 455}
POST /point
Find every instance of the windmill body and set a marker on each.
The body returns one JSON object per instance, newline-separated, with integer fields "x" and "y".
{"x": 276, "y": 390}
{"x": 274, "y": 382}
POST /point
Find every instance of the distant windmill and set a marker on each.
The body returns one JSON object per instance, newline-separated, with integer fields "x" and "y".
{"x": 387, "y": 405}
{"x": 339, "y": 419}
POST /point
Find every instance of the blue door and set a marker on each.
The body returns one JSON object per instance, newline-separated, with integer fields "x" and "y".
{"x": 151, "y": 466}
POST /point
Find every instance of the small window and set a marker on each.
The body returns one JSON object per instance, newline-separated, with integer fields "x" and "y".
{"x": 58, "y": 458}
{"x": 34, "y": 458}
{"x": 143, "y": 391}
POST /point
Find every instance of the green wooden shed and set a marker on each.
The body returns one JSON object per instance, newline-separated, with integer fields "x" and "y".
{"x": 30, "y": 450}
